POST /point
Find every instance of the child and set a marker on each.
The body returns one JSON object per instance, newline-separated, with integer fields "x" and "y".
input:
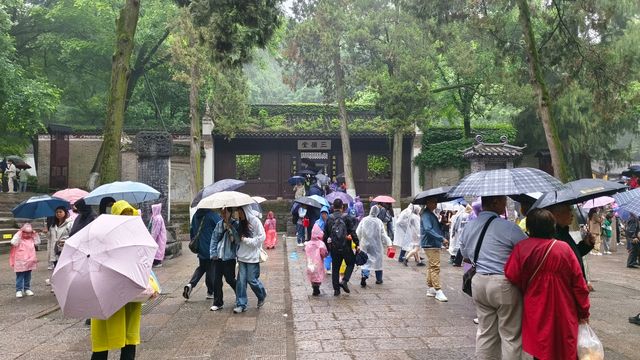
{"x": 270, "y": 228}
{"x": 316, "y": 250}
{"x": 159, "y": 233}
{"x": 606, "y": 233}
{"x": 23, "y": 259}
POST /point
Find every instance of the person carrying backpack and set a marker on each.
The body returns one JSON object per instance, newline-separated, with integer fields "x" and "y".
{"x": 338, "y": 236}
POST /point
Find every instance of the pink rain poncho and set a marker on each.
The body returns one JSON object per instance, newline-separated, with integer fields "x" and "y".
{"x": 270, "y": 228}
{"x": 22, "y": 256}
{"x": 316, "y": 251}
{"x": 158, "y": 231}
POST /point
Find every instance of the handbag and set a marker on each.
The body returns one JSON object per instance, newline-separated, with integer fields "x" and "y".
{"x": 263, "y": 255}
{"x": 361, "y": 258}
{"x": 469, "y": 274}
{"x": 193, "y": 243}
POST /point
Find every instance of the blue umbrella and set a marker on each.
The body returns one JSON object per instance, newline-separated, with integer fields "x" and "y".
{"x": 38, "y": 207}
{"x": 216, "y": 187}
{"x": 320, "y": 199}
{"x": 295, "y": 180}
{"x": 130, "y": 191}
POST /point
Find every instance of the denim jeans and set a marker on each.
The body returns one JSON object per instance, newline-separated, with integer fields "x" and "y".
{"x": 300, "y": 233}
{"x": 248, "y": 273}
{"x": 23, "y": 280}
{"x": 22, "y": 186}
{"x": 367, "y": 272}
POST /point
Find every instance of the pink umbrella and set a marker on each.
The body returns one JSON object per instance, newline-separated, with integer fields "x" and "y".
{"x": 71, "y": 195}
{"x": 598, "y": 202}
{"x": 103, "y": 266}
{"x": 384, "y": 199}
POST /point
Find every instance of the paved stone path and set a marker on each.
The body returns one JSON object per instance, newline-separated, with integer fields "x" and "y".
{"x": 394, "y": 320}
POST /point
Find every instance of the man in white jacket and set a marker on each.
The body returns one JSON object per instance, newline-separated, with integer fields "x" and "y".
{"x": 252, "y": 236}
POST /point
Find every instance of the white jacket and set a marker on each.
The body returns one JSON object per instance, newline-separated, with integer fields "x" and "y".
{"x": 249, "y": 248}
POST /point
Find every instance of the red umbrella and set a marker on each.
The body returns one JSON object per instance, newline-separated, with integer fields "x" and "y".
{"x": 384, "y": 199}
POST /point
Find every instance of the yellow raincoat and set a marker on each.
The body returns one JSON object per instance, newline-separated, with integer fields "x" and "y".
{"x": 123, "y": 327}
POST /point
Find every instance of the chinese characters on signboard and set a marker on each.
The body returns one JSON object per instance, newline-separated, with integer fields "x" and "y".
{"x": 314, "y": 144}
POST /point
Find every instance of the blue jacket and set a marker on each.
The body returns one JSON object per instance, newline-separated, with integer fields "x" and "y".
{"x": 209, "y": 218}
{"x": 430, "y": 233}
{"x": 224, "y": 242}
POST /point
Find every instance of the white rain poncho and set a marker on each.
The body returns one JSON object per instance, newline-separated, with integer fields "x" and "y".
{"x": 373, "y": 239}
{"x": 457, "y": 225}
{"x": 407, "y": 233}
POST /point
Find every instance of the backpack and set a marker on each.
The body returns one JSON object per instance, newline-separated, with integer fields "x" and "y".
{"x": 339, "y": 233}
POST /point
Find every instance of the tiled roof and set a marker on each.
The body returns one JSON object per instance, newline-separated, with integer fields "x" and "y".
{"x": 309, "y": 135}
{"x": 489, "y": 150}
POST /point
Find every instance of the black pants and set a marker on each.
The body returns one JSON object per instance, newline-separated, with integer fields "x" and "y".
{"x": 457, "y": 260}
{"x": 205, "y": 267}
{"x": 633, "y": 254}
{"x": 336, "y": 260}
{"x": 126, "y": 353}
{"x": 227, "y": 269}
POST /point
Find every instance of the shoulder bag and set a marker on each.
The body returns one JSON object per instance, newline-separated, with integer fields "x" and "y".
{"x": 468, "y": 276}
{"x": 193, "y": 243}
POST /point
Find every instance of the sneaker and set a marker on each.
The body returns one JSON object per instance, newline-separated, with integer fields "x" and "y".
{"x": 261, "y": 302}
{"x": 593, "y": 252}
{"x": 440, "y": 296}
{"x": 28, "y": 292}
{"x": 187, "y": 291}
{"x": 215, "y": 308}
{"x": 406, "y": 262}
{"x": 328, "y": 272}
{"x": 378, "y": 282}
{"x": 476, "y": 321}
{"x": 607, "y": 252}
{"x": 363, "y": 282}
{"x": 18, "y": 294}
{"x": 157, "y": 265}
{"x": 635, "y": 319}
{"x": 238, "y": 310}
{"x": 50, "y": 267}
{"x": 431, "y": 292}
{"x": 345, "y": 287}
{"x": 47, "y": 282}
{"x": 421, "y": 264}
{"x": 209, "y": 296}
{"x": 336, "y": 292}
{"x": 300, "y": 245}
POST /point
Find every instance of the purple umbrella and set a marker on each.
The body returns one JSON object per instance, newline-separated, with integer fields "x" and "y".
{"x": 346, "y": 198}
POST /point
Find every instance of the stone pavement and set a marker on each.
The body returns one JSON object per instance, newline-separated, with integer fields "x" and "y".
{"x": 394, "y": 320}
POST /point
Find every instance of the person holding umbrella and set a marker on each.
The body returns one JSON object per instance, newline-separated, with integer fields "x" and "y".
{"x": 202, "y": 226}
{"x": 252, "y": 236}
{"x": 224, "y": 244}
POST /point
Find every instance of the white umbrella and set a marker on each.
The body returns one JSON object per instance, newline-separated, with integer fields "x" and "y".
{"x": 225, "y": 199}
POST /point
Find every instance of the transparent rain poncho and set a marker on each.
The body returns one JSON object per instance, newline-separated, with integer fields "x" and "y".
{"x": 373, "y": 239}
{"x": 407, "y": 231}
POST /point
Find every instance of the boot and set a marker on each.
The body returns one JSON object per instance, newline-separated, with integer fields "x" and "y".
{"x": 316, "y": 290}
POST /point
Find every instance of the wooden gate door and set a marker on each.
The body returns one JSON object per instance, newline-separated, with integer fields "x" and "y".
{"x": 59, "y": 165}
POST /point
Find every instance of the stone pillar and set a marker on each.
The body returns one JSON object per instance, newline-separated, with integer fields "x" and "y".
{"x": 154, "y": 150}
{"x": 416, "y": 148}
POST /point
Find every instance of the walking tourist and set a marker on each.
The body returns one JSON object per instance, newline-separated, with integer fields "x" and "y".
{"x": 122, "y": 329}
{"x": 458, "y": 223}
{"x": 431, "y": 239}
{"x": 224, "y": 243}
{"x": 339, "y": 235}
{"x": 595, "y": 227}
{"x": 23, "y": 259}
{"x": 270, "y": 229}
{"x": 606, "y": 233}
{"x": 252, "y": 237}
{"x": 316, "y": 251}
{"x": 498, "y": 302}
{"x": 373, "y": 241}
{"x": 556, "y": 298}
{"x": 202, "y": 226}
{"x": 158, "y": 232}
{"x": 408, "y": 234}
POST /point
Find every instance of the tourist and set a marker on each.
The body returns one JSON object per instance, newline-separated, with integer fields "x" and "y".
{"x": 58, "y": 233}
{"x": 498, "y": 302}
{"x": 563, "y": 216}
{"x": 595, "y": 227}
{"x": 248, "y": 254}
{"x": 631, "y": 232}
{"x": 159, "y": 233}
{"x": 298, "y": 190}
{"x": 299, "y": 212}
{"x": 339, "y": 228}
{"x": 373, "y": 241}
{"x": 316, "y": 251}
{"x": 23, "y": 258}
{"x": 458, "y": 223}
{"x": 408, "y": 234}
{"x": 84, "y": 218}
{"x": 556, "y": 298}
{"x": 105, "y": 205}
{"x": 224, "y": 243}
{"x": 122, "y": 329}
{"x": 606, "y": 233}
{"x": 23, "y": 178}
{"x": 270, "y": 229}
{"x": 10, "y": 175}
{"x": 202, "y": 225}
{"x": 359, "y": 208}
{"x": 431, "y": 239}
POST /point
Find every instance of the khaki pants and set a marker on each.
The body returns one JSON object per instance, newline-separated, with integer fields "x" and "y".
{"x": 433, "y": 272}
{"x": 598, "y": 242}
{"x": 499, "y": 309}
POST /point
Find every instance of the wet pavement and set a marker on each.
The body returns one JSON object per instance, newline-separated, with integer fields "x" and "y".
{"x": 394, "y": 320}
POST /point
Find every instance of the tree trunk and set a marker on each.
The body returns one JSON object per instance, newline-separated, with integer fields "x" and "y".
{"x": 120, "y": 71}
{"x": 543, "y": 105}
{"x": 396, "y": 166}
{"x": 196, "y": 131}
{"x": 344, "y": 130}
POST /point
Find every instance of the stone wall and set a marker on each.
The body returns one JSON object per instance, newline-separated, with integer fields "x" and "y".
{"x": 442, "y": 177}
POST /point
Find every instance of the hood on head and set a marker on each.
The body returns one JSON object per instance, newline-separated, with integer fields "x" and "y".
{"x": 82, "y": 207}
{"x": 270, "y": 215}
{"x": 324, "y": 209}
{"x": 156, "y": 209}
{"x": 120, "y": 206}
{"x": 357, "y": 198}
{"x": 26, "y": 228}
{"x": 375, "y": 210}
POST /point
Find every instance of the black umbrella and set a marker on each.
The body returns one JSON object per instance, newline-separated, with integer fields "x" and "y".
{"x": 440, "y": 193}
{"x": 579, "y": 191}
{"x": 309, "y": 202}
{"x": 18, "y": 162}
{"x": 220, "y": 185}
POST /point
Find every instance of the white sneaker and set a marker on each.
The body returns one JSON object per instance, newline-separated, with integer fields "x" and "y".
{"x": 440, "y": 296}
{"x": 431, "y": 292}
{"x": 597, "y": 253}
{"x": 215, "y": 308}
{"x": 300, "y": 245}
{"x": 476, "y": 321}
{"x": 29, "y": 293}
{"x": 18, "y": 294}
{"x": 47, "y": 282}
{"x": 607, "y": 252}
{"x": 328, "y": 272}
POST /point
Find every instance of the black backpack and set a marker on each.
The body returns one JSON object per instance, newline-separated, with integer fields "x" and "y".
{"x": 339, "y": 233}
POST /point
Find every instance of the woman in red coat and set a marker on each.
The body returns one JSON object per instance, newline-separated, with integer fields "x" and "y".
{"x": 556, "y": 298}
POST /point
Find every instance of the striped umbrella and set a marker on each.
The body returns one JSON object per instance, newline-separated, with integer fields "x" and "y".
{"x": 505, "y": 182}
